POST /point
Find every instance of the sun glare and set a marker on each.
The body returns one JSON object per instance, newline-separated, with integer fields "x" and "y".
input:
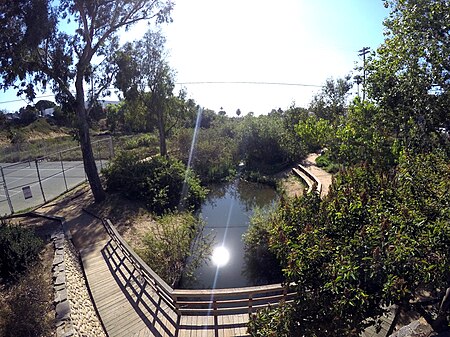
{"x": 220, "y": 256}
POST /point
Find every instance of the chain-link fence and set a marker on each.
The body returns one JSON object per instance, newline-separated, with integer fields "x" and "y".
{"x": 32, "y": 183}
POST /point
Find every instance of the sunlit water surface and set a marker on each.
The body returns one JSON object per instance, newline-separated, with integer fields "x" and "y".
{"x": 227, "y": 212}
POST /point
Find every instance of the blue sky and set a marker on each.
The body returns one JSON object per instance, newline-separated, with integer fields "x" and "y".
{"x": 294, "y": 41}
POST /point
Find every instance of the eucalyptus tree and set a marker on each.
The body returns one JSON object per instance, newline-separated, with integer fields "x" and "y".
{"x": 331, "y": 102}
{"x": 63, "y": 44}
{"x": 145, "y": 76}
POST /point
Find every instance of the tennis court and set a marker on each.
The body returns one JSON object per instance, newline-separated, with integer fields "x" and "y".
{"x": 29, "y": 184}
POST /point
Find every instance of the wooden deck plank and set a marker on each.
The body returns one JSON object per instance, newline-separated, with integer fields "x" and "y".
{"x": 125, "y": 309}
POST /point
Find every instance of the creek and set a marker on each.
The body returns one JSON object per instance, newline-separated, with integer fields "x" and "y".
{"x": 227, "y": 212}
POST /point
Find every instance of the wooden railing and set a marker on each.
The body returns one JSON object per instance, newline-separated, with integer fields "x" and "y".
{"x": 201, "y": 302}
{"x": 310, "y": 178}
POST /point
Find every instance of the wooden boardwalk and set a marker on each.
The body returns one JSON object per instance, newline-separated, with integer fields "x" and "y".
{"x": 117, "y": 289}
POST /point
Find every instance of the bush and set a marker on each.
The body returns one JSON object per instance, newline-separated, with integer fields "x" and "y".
{"x": 262, "y": 265}
{"x": 19, "y": 248}
{"x": 163, "y": 184}
{"x": 176, "y": 240}
{"x": 269, "y": 322}
{"x": 324, "y": 161}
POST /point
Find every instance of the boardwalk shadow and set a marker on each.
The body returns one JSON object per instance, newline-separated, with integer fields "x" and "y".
{"x": 156, "y": 311}
{"x": 147, "y": 304}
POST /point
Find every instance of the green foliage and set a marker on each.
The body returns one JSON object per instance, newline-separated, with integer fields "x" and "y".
{"x": 331, "y": 102}
{"x": 269, "y": 322}
{"x": 175, "y": 246}
{"x": 363, "y": 137}
{"x": 314, "y": 132}
{"x": 375, "y": 240}
{"x": 215, "y": 154}
{"x": 19, "y": 249}
{"x": 163, "y": 184}
{"x": 267, "y": 141}
{"x": 262, "y": 266}
{"x": 409, "y": 75}
{"x": 324, "y": 161}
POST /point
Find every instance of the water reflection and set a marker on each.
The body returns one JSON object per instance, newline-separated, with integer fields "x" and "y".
{"x": 227, "y": 211}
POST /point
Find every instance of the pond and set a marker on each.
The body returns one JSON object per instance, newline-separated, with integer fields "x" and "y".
{"x": 226, "y": 212}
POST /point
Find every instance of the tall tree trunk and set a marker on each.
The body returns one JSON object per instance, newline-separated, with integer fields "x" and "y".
{"x": 85, "y": 142}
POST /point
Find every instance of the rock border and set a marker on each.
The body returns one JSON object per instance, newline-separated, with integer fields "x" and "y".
{"x": 63, "y": 321}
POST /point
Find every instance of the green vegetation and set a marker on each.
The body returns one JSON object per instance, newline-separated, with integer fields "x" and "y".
{"x": 262, "y": 266}
{"x": 19, "y": 248}
{"x": 176, "y": 240}
{"x": 25, "y": 295}
{"x": 163, "y": 184}
{"x": 381, "y": 235}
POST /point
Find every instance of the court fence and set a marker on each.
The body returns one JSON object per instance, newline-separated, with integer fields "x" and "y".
{"x": 32, "y": 183}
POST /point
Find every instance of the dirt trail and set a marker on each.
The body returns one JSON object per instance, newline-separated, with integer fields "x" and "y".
{"x": 324, "y": 177}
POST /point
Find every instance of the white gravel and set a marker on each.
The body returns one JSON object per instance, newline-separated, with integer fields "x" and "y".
{"x": 83, "y": 315}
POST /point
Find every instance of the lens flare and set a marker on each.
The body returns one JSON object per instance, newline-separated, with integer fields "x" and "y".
{"x": 220, "y": 256}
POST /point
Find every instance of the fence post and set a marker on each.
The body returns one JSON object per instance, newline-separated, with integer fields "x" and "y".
{"x": 111, "y": 148}
{"x": 99, "y": 155}
{"x": 63, "y": 172}
{"x": 39, "y": 178}
{"x": 6, "y": 191}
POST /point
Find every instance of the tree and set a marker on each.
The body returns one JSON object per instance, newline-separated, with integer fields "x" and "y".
{"x": 377, "y": 239}
{"x": 331, "y": 102}
{"x": 145, "y": 76}
{"x": 39, "y": 49}
{"x": 42, "y": 104}
{"x": 409, "y": 78}
{"x": 28, "y": 115}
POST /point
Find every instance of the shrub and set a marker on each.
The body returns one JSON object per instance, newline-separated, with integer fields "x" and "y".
{"x": 176, "y": 240}
{"x": 324, "y": 161}
{"x": 269, "y": 322}
{"x": 19, "y": 248}
{"x": 263, "y": 266}
{"x": 163, "y": 184}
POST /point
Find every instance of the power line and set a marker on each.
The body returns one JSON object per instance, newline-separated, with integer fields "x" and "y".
{"x": 22, "y": 99}
{"x": 249, "y": 82}
{"x": 203, "y": 82}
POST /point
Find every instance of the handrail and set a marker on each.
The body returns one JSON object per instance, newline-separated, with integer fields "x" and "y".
{"x": 309, "y": 175}
{"x": 205, "y": 301}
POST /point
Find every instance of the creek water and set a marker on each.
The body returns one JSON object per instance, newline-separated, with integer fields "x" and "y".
{"x": 226, "y": 212}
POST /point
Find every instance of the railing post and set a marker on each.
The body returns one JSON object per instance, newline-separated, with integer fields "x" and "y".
{"x": 175, "y": 303}
{"x": 99, "y": 155}
{"x": 111, "y": 148}
{"x": 6, "y": 191}
{"x": 250, "y": 303}
{"x": 63, "y": 171}
{"x": 39, "y": 178}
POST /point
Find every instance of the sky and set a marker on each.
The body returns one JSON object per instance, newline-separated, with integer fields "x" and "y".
{"x": 260, "y": 41}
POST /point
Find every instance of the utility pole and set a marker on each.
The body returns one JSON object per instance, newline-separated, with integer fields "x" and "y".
{"x": 363, "y": 52}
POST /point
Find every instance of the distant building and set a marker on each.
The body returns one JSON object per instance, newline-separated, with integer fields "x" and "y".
{"x": 47, "y": 112}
